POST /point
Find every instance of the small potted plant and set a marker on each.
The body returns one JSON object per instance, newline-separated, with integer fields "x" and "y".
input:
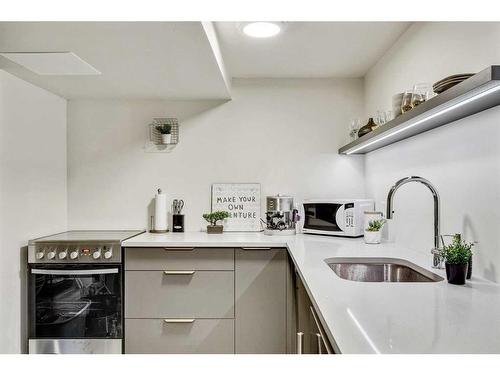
{"x": 213, "y": 218}
{"x": 373, "y": 234}
{"x": 457, "y": 256}
{"x": 165, "y": 130}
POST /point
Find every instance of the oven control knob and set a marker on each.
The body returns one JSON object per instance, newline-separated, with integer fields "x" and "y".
{"x": 40, "y": 255}
{"x": 96, "y": 254}
{"x": 108, "y": 254}
{"x": 51, "y": 254}
{"x": 63, "y": 254}
{"x": 73, "y": 254}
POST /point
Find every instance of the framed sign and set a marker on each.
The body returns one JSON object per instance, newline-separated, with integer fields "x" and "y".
{"x": 242, "y": 201}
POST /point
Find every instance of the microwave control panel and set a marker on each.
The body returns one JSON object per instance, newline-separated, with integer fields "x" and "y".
{"x": 349, "y": 215}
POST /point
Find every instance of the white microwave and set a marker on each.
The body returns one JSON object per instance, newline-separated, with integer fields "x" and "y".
{"x": 336, "y": 217}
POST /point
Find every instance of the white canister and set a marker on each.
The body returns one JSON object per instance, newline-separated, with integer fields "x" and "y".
{"x": 373, "y": 237}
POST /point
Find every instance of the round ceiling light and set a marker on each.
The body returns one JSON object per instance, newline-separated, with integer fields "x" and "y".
{"x": 261, "y": 29}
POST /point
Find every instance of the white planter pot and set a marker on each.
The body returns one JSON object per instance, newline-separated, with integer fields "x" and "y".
{"x": 166, "y": 139}
{"x": 373, "y": 237}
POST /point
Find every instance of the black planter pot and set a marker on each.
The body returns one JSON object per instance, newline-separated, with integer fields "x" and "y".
{"x": 456, "y": 273}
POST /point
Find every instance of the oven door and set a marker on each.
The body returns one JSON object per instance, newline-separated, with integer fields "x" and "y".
{"x": 75, "y": 306}
{"x": 324, "y": 218}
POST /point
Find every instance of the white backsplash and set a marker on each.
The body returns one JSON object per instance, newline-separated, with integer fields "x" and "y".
{"x": 283, "y": 134}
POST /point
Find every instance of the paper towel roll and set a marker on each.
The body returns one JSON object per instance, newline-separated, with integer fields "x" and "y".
{"x": 160, "y": 211}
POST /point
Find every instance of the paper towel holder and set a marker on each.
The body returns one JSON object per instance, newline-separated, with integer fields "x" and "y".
{"x": 152, "y": 223}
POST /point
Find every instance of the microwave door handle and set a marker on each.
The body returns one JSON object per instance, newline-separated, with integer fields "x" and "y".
{"x": 102, "y": 271}
{"x": 340, "y": 218}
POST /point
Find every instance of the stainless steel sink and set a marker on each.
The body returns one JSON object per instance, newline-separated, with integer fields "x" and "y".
{"x": 380, "y": 270}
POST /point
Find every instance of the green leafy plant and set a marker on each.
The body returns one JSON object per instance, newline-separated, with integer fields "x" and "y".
{"x": 164, "y": 128}
{"x": 458, "y": 252}
{"x": 375, "y": 225}
{"x": 214, "y": 217}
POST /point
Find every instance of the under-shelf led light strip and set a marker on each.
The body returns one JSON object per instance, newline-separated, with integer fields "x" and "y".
{"x": 443, "y": 111}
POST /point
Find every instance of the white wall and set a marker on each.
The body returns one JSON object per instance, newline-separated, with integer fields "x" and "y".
{"x": 281, "y": 133}
{"x": 32, "y": 189}
{"x": 462, "y": 159}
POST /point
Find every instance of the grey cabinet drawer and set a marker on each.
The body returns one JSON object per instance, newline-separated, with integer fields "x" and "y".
{"x": 202, "y": 336}
{"x": 202, "y": 294}
{"x": 160, "y": 258}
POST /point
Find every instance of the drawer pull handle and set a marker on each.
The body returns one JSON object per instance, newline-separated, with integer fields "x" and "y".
{"x": 320, "y": 334}
{"x": 178, "y": 248}
{"x": 256, "y": 248}
{"x": 319, "y": 339}
{"x": 300, "y": 342}
{"x": 179, "y": 320}
{"x": 178, "y": 272}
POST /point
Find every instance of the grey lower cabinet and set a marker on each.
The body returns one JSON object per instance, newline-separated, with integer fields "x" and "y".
{"x": 208, "y": 300}
{"x": 261, "y": 301}
{"x": 310, "y": 335}
{"x": 179, "y": 300}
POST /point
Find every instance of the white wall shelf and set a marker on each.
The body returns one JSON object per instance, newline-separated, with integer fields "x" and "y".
{"x": 476, "y": 94}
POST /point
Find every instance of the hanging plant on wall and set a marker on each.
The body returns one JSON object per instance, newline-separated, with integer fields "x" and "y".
{"x": 163, "y": 134}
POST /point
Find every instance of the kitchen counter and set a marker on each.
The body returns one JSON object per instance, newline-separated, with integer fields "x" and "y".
{"x": 365, "y": 317}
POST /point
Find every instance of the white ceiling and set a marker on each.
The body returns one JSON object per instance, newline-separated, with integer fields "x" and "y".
{"x": 136, "y": 59}
{"x": 308, "y": 49}
{"x": 181, "y": 60}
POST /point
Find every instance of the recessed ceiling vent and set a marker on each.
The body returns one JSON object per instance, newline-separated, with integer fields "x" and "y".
{"x": 52, "y": 63}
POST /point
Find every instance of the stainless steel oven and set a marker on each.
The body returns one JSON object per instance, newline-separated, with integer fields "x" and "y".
{"x": 76, "y": 293}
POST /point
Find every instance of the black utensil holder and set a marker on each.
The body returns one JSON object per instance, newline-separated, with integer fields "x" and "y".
{"x": 177, "y": 223}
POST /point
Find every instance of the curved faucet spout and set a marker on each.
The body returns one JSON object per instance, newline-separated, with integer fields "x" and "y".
{"x": 398, "y": 184}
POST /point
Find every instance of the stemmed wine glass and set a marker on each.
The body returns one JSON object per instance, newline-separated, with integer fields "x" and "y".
{"x": 420, "y": 94}
{"x": 406, "y": 102}
{"x": 353, "y": 129}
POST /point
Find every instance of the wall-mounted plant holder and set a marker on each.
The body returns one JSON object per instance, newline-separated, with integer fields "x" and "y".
{"x": 158, "y": 142}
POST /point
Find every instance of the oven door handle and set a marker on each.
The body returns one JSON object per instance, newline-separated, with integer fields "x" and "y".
{"x": 101, "y": 271}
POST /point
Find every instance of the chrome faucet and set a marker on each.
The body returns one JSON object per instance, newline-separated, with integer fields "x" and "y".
{"x": 437, "y": 260}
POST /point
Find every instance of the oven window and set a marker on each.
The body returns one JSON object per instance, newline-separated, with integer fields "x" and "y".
{"x": 321, "y": 216}
{"x": 75, "y": 302}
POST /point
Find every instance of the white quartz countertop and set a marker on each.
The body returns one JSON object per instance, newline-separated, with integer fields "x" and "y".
{"x": 364, "y": 317}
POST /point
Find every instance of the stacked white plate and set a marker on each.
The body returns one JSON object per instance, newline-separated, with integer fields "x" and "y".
{"x": 449, "y": 82}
